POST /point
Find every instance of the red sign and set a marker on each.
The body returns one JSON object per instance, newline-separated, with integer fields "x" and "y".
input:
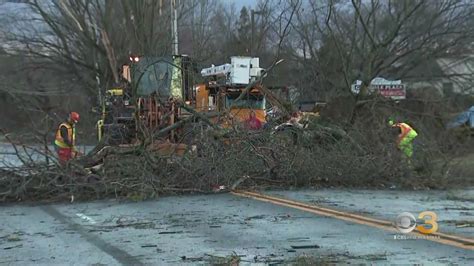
{"x": 392, "y": 91}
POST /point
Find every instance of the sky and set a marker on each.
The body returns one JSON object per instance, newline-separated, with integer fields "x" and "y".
{"x": 240, "y": 3}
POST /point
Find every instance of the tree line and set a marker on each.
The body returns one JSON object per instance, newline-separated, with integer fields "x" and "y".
{"x": 326, "y": 45}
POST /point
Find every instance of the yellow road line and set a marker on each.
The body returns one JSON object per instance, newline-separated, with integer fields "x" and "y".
{"x": 447, "y": 239}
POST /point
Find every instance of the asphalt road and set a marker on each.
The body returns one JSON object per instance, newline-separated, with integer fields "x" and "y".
{"x": 455, "y": 208}
{"x": 198, "y": 229}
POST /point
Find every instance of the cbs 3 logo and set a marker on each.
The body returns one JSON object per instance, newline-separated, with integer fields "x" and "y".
{"x": 427, "y": 224}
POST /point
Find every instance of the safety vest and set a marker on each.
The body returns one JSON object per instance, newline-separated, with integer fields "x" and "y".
{"x": 71, "y": 134}
{"x": 406, "y": 130}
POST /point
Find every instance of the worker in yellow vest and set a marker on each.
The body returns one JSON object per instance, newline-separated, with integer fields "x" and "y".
{"x": 65, "y": 141}
{"x": 405, "y": 138}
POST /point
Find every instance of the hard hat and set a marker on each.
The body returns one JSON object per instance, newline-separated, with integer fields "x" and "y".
{"x": 74, "y": 116}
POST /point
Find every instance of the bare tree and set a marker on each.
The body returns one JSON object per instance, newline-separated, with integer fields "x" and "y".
{"x": 364, "y": 39}
{"x": 89, "y": 38}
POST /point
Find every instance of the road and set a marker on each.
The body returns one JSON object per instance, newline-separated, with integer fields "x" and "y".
{"x": 199, "y": 229}
{"x": 455, "y": 208}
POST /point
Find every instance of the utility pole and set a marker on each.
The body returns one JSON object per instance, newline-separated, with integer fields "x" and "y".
{"x": 174, "y": 27}
{"x": 252, "y": 21}
{"x": 96, "y": 65}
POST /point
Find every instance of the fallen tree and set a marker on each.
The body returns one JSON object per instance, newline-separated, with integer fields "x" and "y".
{"x": 322, "y": 152}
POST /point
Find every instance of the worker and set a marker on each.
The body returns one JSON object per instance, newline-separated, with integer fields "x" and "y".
{"x": 65, "y": 141}
{"x": 253, "y": 123}
{"x": 406, "y": 136}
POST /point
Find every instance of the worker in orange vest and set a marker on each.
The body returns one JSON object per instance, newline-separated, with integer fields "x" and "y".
{"x": 405, "y": 138}
{"x": 65, "y": 141}
{"x": 252, "y": 122}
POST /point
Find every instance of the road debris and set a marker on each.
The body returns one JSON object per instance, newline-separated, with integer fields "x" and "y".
{"x": 256, "y": 217}
{"x": 86, "y": 218}
{"x": 232, "y": 260}
{"x": 170, "y": 232}
{"x": 11, "y": 247}
{"x": 149, "y": 246}
{"x": 304, "y": 246}
{"x": 130, "y": 221}
{"x": 192, "y": 259}
{"x": 463, "y": 224}
{"x": 13, "y": 237}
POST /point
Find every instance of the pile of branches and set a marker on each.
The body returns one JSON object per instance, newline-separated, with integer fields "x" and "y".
{"x": 316, "y": 151}
{"x": 223, "y": 160}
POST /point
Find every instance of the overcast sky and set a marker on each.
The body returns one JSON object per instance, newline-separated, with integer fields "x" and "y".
{"x": 240, "y": 3}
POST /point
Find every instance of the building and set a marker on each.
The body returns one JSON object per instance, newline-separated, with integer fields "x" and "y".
{"x": 445, "y": 75}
